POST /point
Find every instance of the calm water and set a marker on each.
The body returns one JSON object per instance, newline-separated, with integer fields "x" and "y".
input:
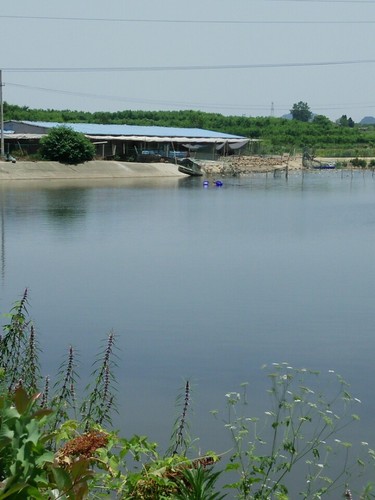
{"x": 206, "y": 284}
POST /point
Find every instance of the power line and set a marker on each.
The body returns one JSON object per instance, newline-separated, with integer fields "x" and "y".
{"x": 133, "y": 100}
{"x": 280, "y": 107}
{"x": 188, "y": 21}
{"x": 120, "y": 69}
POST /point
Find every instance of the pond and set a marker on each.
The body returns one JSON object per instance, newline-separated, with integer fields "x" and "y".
{"x": 201, "y": 283}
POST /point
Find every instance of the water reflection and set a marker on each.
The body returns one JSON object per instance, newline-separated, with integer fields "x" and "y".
{"x": 65, "y": 205}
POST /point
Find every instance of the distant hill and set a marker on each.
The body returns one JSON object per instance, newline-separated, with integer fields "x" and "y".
{"x": 367, "y": 120}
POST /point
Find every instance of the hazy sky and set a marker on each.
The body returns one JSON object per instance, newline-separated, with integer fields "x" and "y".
{"x": 107, "y": 55}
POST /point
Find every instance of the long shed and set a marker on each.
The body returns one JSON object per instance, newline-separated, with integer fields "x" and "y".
{"x": 132, "y": 142}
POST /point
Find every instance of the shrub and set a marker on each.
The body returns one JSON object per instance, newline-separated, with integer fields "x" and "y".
{"x": 358, "y": 162}
{"x": 66, "y": 146}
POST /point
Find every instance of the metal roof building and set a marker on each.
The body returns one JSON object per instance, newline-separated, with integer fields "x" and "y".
{"x": 129, "y": 141}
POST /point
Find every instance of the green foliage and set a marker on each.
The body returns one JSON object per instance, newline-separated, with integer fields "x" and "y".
{"x": 22, "y": 451}
{"x": 55, "y": 453}
{"x": 301, "y": 112}
{"x": 28, "y": 467}
{"x": 64, "y": 145}
{"x": 49, "y": 453}
{"x": 344, "y": 121}
{"x": 96, "y": 408}
{"x": 301, "y": 431}
{"x": 198, "y": 484}
{"x": 18, "y": 349}
{"x": 19, "y": 366}
{"x": 359, "y": 162}
{"x": 277, "y": 135}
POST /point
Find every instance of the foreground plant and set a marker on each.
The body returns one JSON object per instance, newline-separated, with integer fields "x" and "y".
{"x": 20, "y": 366}
{"x": 301, "y": 432}
{"x": 53, "y": 447}
{"x": 28, "y": 466}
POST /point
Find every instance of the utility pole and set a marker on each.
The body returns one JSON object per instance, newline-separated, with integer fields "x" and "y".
{"x": 2, "y": 151}
{"x": 272, "y": 109}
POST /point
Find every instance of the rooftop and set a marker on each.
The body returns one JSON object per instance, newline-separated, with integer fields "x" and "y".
{"x": 136, "y": 130}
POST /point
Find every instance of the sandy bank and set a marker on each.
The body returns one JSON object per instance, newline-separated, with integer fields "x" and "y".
{"x": 27, "y": 170}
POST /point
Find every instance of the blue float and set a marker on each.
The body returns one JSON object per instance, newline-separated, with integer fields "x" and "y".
{"x": 218, "y": 183}
{"x": 205, "y": 183}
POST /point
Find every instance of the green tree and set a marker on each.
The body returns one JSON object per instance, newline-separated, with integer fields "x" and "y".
{"x": 301, "y": 112}
{"x": 343, "y": 121}
{"x": 66, "y": 146}
{"x": 322, "y": 121}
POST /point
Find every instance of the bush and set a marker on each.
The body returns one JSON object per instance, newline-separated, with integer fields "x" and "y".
{"x": 358, "y": 162}
{"x": 66, "y": 146}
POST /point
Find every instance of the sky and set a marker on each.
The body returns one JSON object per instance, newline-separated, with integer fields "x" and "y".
{"x": 237, "y": 57}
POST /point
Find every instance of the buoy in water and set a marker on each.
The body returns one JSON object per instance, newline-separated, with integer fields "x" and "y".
{"x": 218, "y": 183}
{"x": 205, "y": 183}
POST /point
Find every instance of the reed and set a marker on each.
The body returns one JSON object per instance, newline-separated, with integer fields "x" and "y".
{"x": 180, "y": 438}
{"x": 20, "y": 367}
{"x": 100, "y": 402}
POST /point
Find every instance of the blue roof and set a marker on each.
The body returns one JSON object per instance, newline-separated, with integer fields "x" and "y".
{"x": 140, "y": 130}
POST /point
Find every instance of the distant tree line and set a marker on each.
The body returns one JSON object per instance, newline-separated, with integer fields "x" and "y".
{"x": 341, "y": 138}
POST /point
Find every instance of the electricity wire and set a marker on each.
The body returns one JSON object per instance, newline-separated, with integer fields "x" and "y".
{"x": 190, "y": 21}
{"x": 114, "y": 69}
{"x": 189, "y": 105}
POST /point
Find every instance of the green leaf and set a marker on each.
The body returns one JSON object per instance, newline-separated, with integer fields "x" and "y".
{"x": 34, "y": 432}
{"x": 234, "y": 466}
{"x": 46, "y": 457}
{"x": 5, "y": 435}
{"x": 21, "y": 400}
{"x": 14, "y": 489}
{"x": 62, "y": 478}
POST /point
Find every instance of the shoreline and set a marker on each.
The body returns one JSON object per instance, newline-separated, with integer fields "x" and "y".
{"x": 97, "y": 169}
{"x": 116, "y": 170}
{"x": 103, "y": 169}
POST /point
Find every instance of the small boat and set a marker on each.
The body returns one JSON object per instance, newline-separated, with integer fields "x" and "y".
{"x": 189, "y": 167}
{"x": 325, "y": 166}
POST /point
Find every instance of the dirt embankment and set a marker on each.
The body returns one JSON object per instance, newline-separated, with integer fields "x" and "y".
{"x": 237, "y": 165}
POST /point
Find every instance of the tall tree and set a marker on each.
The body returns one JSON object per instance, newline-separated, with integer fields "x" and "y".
{"x": 301, "y": 112}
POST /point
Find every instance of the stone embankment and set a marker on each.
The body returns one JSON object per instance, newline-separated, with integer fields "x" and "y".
{"x": 242, "y": 165}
